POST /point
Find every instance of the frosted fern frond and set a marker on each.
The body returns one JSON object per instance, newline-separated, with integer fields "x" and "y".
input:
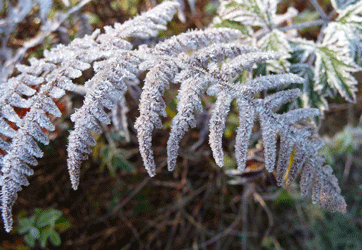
{"x": 162, "y": 72}
{"x": 195, "y": 78}
{"x": 148, "y": 24}
{"x": 325, "y": 190}
{"x": 107, "y": 86}
{"x": 55, "y": 73}
{"x": 202, "y": 61}
{"x": 201, "y": 72}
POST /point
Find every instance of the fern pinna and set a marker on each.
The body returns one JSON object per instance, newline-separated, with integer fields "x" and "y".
{"x": 202, "y": 61}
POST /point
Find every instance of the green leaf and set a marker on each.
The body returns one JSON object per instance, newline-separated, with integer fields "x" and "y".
{"x": 276, "y": 41}
{"x": 285, "y": 199}
{"x": 29, "y": 240}
{"x": 55, "y": 238}
{"x": 333, "y": 72}
{"x": 44, "y": 235}
{"x": 48, "y": 217}
{"x": 118, "y": 161}
{"x": 39, "y": 211}
{"x": 34, "y": 232}
{"x": 26, "y": 224}
{"x": 62, "y": 223}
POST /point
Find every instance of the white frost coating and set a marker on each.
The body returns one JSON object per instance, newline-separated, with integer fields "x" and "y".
{"x": 205, "y": 69}
{"x": 62, "y": 64}
{"x": 164, "y": 71}
{"x": 189, "y": 100}
{"x": 199, "y": 60}
{"x": 109, "y": 83}
{"x": 246, "y": 123}
{"x": 217, "y": 122}
{"x": 246, "y": 62}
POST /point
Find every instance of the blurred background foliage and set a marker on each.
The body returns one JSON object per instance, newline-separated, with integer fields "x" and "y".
{"x": 198, "y": 206}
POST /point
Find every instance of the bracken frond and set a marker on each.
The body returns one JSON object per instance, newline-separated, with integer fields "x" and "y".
{"x": 201, "y": 61}
{"x": 55, "y": 72}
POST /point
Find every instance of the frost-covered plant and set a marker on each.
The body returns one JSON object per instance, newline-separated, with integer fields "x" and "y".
{"x": 327, "y": 65}
{"x": 203, "y": 62}
{"x": 14, "y": 14}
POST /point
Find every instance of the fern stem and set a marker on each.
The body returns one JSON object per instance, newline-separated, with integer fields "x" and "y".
{"x": 299, "y": 26}
{"x": 319, "y": 9}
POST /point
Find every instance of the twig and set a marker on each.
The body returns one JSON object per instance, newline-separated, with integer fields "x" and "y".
{"x": 319, "y": 9}
{"x": 133, "y": 229}
{"x": 228, "y": 230}
{"x": 347, "y": 167}
{"x": 173, "y": 231}
{"x": 181, "y": 203}
{"x": 244, "y": 206}
{"x": 259, "y": 34}
{"x": 131, "y": 195}
{"x": 197, "y": 224}
{"x": 260, "y": 200}
{"x": 299, "y": 26}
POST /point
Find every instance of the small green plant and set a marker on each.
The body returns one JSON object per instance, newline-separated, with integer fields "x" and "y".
{"x": 42, "y": 225}
{"x": 346, "y": 142}
{"x": 114, "y": 159}
{"x": 337, "y": 231}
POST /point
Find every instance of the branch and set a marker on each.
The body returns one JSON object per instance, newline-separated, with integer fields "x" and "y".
{"x": 319, "y": 9}
{"x": 299, "y": 26}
